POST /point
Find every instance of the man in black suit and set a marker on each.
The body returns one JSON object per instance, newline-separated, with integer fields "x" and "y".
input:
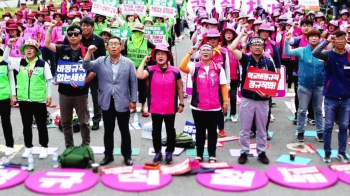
{"x": 89, "y": 38}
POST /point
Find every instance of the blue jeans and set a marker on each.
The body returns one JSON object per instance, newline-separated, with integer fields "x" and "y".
{"x": 332, "y": 107}
{"x": 304, "y": 96}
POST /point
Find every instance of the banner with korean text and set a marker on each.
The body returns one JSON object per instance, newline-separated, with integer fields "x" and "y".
{"x": 263, "y": 80}
{"x": 156, "y": 34}
{"x": 310, "y": 4}
{"x": 123, "y": 33}
{"x": 131, "y": 7}
{"x": 68, "y": 71}
{"x": 163, "y": 8}
{"x": 105, "y": 7}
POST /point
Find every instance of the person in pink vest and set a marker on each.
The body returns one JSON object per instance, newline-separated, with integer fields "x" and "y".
{"x": 344, "y": 20}
{"x": 209, "y": 98}
{"x": 164, "y": 91}
{"x": 24, "y": 8}
{"x": 227, "y": 37}
{"x": 86, "y": 11}
{"x": 46, "y": 53}
{"x": 64, "y": 10}
{"x": 39, "y": 18}
{"x": 333, "y": 26}
{"x": 320, "y": 21}
{"x": 32, "y": 30}
{"x": 57, "y": 36}
{"x": 13, "y": 32}
{"x": 242, "y": 20}
{"x": 19, "y": 17}
{"x": 6, "y": 16}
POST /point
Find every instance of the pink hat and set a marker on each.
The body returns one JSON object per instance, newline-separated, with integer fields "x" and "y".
{"x": 163, "y": 48}
{"x": 344, "y": 11}
{"x": 311, "y": 12}
{"x": 334, "y": 23}
{"x": 228, "y": 28}
{"x": 258, "y": 22}
{"x": 319, "y": 15}
{"x": 212, "y": 21}
{"x": 213, "y": 33}
{"x": 265, "y": 27}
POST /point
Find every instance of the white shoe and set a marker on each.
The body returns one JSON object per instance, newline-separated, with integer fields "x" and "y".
{"x": 9, "y": 151}
{"x": 43, "y": 153}
{"x": 26, "y": 152}
{"x": 234, "y": 118}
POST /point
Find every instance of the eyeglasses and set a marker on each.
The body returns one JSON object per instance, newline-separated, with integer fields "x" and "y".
{"x": 206, "y": 50}
{"x": 340, "y": 39}
{"x": 114, "y": 44}
{"x": 70, "y": 34}
{"x": 257, "y": 45}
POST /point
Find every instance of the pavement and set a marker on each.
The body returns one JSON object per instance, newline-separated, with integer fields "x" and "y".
{"x": 284, "y": 133}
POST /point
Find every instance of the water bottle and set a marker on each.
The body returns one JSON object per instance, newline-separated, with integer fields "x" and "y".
{"x": 30, "y": 161}
{"x": 55, "y": 159}
{"x": 305, "y": 122}
{"x": 136, "y": 118}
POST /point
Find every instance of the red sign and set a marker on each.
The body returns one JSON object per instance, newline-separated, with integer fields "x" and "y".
{"x": 177, "y": 169}
{"x": 263, "y": 80}
{"x": 340, "y": 168}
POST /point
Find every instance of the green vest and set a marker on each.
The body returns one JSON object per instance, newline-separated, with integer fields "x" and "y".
{"x": 98, "y": 29}
{"x": 5, "y": 89}
{"x": 137, "y": 54}
{"x": 33, "y": 88}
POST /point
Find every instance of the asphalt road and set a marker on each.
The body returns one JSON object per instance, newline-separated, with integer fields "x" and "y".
{"x": 284, "y": 133}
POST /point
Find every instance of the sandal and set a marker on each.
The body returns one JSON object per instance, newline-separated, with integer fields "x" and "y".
{"x": 212, "y": 160}
{"x": 200, "y": 159}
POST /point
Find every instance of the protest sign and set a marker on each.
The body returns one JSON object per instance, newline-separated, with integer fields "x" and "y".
{"x": 64, "y": 30}
{"x": 247, "y": 5}
{"x": 156, "y": 34}
{"x": 70, "y": 71}
{"x": 131, "y": 7}
{"x": 259, "y": 79}
{"x": 123, "y": 33}
{"x": 105, "y": 7}
{"x": 310, "y": 4}
{"x": 163, "y": 8}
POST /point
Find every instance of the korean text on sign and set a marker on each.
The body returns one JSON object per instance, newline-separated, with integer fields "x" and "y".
{"x": 156, "y": 34}
{"x": 163, "y": 8}
{"x": 70, "y": 71}
{"x": 303, "y": 175}
{"x": 134, "y": 7}
{"x": 259, "y": 79}
{"x": 105, "y": 7}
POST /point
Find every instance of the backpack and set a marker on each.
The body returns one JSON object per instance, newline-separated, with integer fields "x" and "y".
{"x": 184, "y": 141}
{"x": 77, "y": 157}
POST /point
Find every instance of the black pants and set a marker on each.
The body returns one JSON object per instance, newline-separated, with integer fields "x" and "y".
{"x": 221, "y": 122}
{"x": 206, "y": 120}
{"x": 142, "y": 89}
{"x": 5, "y": 112}
{"x": 177, "y": 27}
{"x": 109, "y": 125}
{"x": 157, "y": 121}
{"x": 233, "y": 96}
{"x": 253, "y": 129}
{"x": 310, "y": 109}
{"x": 39, "y": 111}
{"x": 97, "y": 108}
{"x": 289, "y": 70}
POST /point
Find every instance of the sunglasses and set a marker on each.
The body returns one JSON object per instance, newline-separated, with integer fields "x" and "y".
{"x": 70, "y": 34}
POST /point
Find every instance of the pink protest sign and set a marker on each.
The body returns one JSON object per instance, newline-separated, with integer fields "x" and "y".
{"x": 343, "y": 172}
{"x": 61, "y": 181}
{"x": 138, "y": 181}
{"x": 237, "y": 178}
{"x": 10, "y": 177}
{"x": 302, "y": 177}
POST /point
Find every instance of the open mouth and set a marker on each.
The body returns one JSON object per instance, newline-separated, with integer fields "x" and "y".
{"x": 205, "y": 55}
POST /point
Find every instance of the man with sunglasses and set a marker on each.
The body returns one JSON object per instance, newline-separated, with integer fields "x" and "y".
{"x": 118, "y": 95}
{"x": 72, "y": 96}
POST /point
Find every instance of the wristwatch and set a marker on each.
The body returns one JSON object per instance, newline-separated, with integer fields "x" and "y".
{"x": 181, "y": 104}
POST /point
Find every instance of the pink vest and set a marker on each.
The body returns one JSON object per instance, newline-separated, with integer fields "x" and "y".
{"x": 341, "y": 22}
{"x": 57, "y": 34}
{"x": 303, "y": 42}
{"x": 281, "y": 46}
{"x": 31, "y": 32}
{"x": 42, "y": 39}
{"x": 206, "y": 87}
{"x": 163, "y": 90}
{"x": 218, "y": 58}
{"x": 233, "y": 67}
{"x": 269, "y": 48}
{"x": 64, "y": 8}
{"x": 15, "y": 50}
{"x": 297, "y": 32}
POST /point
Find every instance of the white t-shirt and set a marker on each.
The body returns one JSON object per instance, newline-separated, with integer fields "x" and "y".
{"x": 222, "y": 78}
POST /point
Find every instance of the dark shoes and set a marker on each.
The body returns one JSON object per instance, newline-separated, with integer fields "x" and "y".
{"x": 243, "y": 158}
{"x": 319, "y": 137}
{"x": 107, "y": 160}
{"x": 263, "y": 158}
{"x": 169, "y": 158}
{"x": 128, "y": 161}
{"x": 95, "y": 127}
{"x": 300, "y": 137}
{"x": 158, "y": 158}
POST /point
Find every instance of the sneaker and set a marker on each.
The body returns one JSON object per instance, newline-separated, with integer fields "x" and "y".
{"x": 290, "y": 90}
{"x": 234, "y": 118}
{"x": 158, "y": 158}
{"x": 169, "y": 158}
{"x": 26, "y": 152}
{"x": 263, "y": 158}
{"x": 327, "y": 157}
{"x": 43, "y": 153}
{"x": 300, "y": 137}
{"x": 295, "y": 121}
{"x": 312, "y": 121}
{"x": 319, "y": 137}
{"x": 342, "y": 157}
{"x": 222, "y": 133}
{"x": 9, "y": 151}
{"x": 243, "y": 158}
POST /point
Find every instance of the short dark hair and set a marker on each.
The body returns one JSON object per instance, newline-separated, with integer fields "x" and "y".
{"x": 338, "y": 33}
{"x": 87, "y": 20}
{"x": 115, "y": 37}
{"x": 313, "y": 32}
{"x": 307, "y": 22}
{"x": 75, "y": 28}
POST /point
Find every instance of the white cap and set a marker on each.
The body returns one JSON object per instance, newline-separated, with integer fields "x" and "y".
{"x": 23, "y": 2}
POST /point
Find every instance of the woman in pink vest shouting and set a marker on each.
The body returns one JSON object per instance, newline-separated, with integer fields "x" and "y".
{"x": 164, "y": 91}
{"x": 209, "y": 93}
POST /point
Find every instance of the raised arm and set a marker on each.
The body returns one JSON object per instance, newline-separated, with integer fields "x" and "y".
{"x": 90, "y": 65}
{"x": 141, "y": 73}
{"x": 287, "y": 50}
{"x": 13, "y": 63}
{"x": 233, "y": 47}
{"x": 183, "y": 65}
{"x": 48, "y": 44}
{"x": 319, "y": 53}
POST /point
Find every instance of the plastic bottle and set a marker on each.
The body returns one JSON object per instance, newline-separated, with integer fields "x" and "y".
{"x": 30, "y": 161}
{"x": 136, "y": 118}
{"x": 55, "y": 159}
{"x": 305, "y": 122}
